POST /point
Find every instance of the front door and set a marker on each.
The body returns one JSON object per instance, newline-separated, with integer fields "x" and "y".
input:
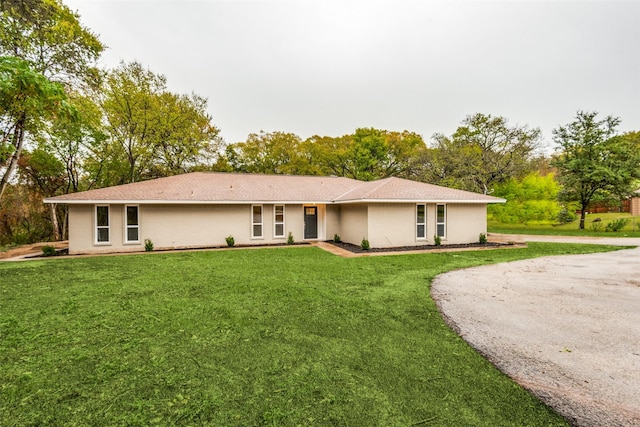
{"x": 310, "y": 222}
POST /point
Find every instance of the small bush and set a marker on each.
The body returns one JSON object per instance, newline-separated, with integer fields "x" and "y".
{"x": 596, "y": 226}
{"x": 148, "y": 245}
{"x": 365, "y": 245}
{"x": 483, "y": 239}
{"x": 336, "y": 238}
{"x": 565, "y": 216}
{"x": 290, "y": 240}
{"x": 617, "y": 224}
{"x": 437, "y": 240}
{"x": 230, "y": 241}
{"x": 48, "y": 250}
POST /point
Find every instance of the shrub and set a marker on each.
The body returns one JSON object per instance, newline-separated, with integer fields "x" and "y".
{"x": 483, "y": 239}
{"x": 617, "y": 224}
{"x": 148, "y": 245}
{"x": 48, "y": 250}
{"x": 437, "y": 240}
{"x": 566, "y": 216}
{"x": 365, "y": 244}
{"x": 596, "y": 226}
{"x": 230, "y": 241}
{"x": 336, "y": 238}
{"x": 290, "y": 240}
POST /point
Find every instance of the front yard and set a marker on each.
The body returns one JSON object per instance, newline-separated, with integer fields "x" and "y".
{"x": 286, "y": 336}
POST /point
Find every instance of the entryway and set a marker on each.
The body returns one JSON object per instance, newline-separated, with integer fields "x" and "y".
{"x": 310, "y": 222}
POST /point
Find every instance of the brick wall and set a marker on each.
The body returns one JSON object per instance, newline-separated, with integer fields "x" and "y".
{"x": 635, "y": 205}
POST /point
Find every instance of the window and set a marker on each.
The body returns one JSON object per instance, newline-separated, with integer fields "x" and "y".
{"x": 256, "y": 221}
{"x": 102, "y": 224}
{"x": 421, "y": 221}
{"x": 133, "y": 225}
{"x": 441, "y": 220}
{"x": 278, "y": 221}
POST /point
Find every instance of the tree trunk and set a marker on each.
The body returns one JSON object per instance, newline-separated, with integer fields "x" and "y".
{"x": 65, "y": 223}
{"x": 54, "y": 221}
{"x": 583, "y": 215}
{"x": 18, "y": 140}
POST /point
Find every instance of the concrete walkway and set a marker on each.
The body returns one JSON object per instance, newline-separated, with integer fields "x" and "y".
{"x": 566, "y": 328}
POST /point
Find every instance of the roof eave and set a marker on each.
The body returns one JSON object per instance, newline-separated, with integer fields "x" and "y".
{"x": 472, "y": 201}
{"x": 184, "y": 202}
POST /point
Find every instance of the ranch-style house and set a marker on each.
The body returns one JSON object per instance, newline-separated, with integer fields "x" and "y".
{"x": 201, "y": 209}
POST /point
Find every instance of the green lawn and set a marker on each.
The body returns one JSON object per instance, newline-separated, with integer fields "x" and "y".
{"x": 282, "y": 336}
{"x": 632, "y": 229}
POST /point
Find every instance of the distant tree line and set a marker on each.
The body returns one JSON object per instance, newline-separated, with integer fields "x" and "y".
{"x": 67, "y": 126}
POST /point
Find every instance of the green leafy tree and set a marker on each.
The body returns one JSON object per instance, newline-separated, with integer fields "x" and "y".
{"x": 270, "y": 153}
{"x": 484, "y": 151}
{"x": 593, "y": 161}
{"x": 369, "y": 154}
{"x": 366, "y": 154}
{"x": 532, "y": 198}
{"x": 27, "y": 100}
{"x": 49, "y": 36}
{"x": 331, "y": 155}
{"x": 44, "y": 51}
{"x": 74, "y": 140}
{"x": 151, "y": 132}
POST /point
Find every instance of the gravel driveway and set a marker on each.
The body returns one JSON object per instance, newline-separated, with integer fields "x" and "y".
{"x": 566, "y": 328}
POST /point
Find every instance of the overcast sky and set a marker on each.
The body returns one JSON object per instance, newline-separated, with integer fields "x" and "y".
{"x": 329, "y": 67}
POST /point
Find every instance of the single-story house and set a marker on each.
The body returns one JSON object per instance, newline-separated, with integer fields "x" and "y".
{"x": 201, "y": 209}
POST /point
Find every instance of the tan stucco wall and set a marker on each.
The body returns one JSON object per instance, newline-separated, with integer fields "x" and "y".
{"x": 180, "y": 226}
{"x": 394, "y": 224}
{"x": 333, "y": 217}
{"x": 82, "y": 230}
{"x": 174, "y": 226}
{"x": 294, "y": 221}
{"x": 353, "y": 223}
{"x": 465, "y": 222}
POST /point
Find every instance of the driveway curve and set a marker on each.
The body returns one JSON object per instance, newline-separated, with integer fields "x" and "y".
{"x": 566, "y": 328}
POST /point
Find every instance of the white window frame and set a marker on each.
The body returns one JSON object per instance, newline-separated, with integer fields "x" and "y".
{"x": 254, "y": 224}
{"x": 423, "y": 223}
{"x": 127, "y": 226}
{"x": 443, "y": 223}
{"x": 276, "y": 222}
{"x": 99, "y": 227}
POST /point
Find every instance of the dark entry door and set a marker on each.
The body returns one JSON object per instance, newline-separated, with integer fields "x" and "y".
{"x": 310, "y": 222}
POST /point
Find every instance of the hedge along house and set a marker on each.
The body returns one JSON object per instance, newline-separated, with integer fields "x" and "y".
{"x": 201, "y": 209}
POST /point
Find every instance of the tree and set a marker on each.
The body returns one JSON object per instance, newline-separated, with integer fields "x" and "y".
{"x": 369, "y": 154}
{"x": 42, "y": 44}
{"x": 44, "y": 172}
{"x": 49, "y": 36}
{"x": 270, "y": 153}
{"x": 533, "y": 198}
{"x": 183, "y": 133}
{"x": 593, "y": 161}
{"x": 75, "y": 139}
{"x": 151, "y": 131}
{"x": 23, "y": 216}
{"x": 27, "y": 100}
{"x": 482, "y": 152}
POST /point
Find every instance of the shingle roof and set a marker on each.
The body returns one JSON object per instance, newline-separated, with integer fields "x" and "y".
{"x": 212, "y": 187}
{"x": 398, "y": 189}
